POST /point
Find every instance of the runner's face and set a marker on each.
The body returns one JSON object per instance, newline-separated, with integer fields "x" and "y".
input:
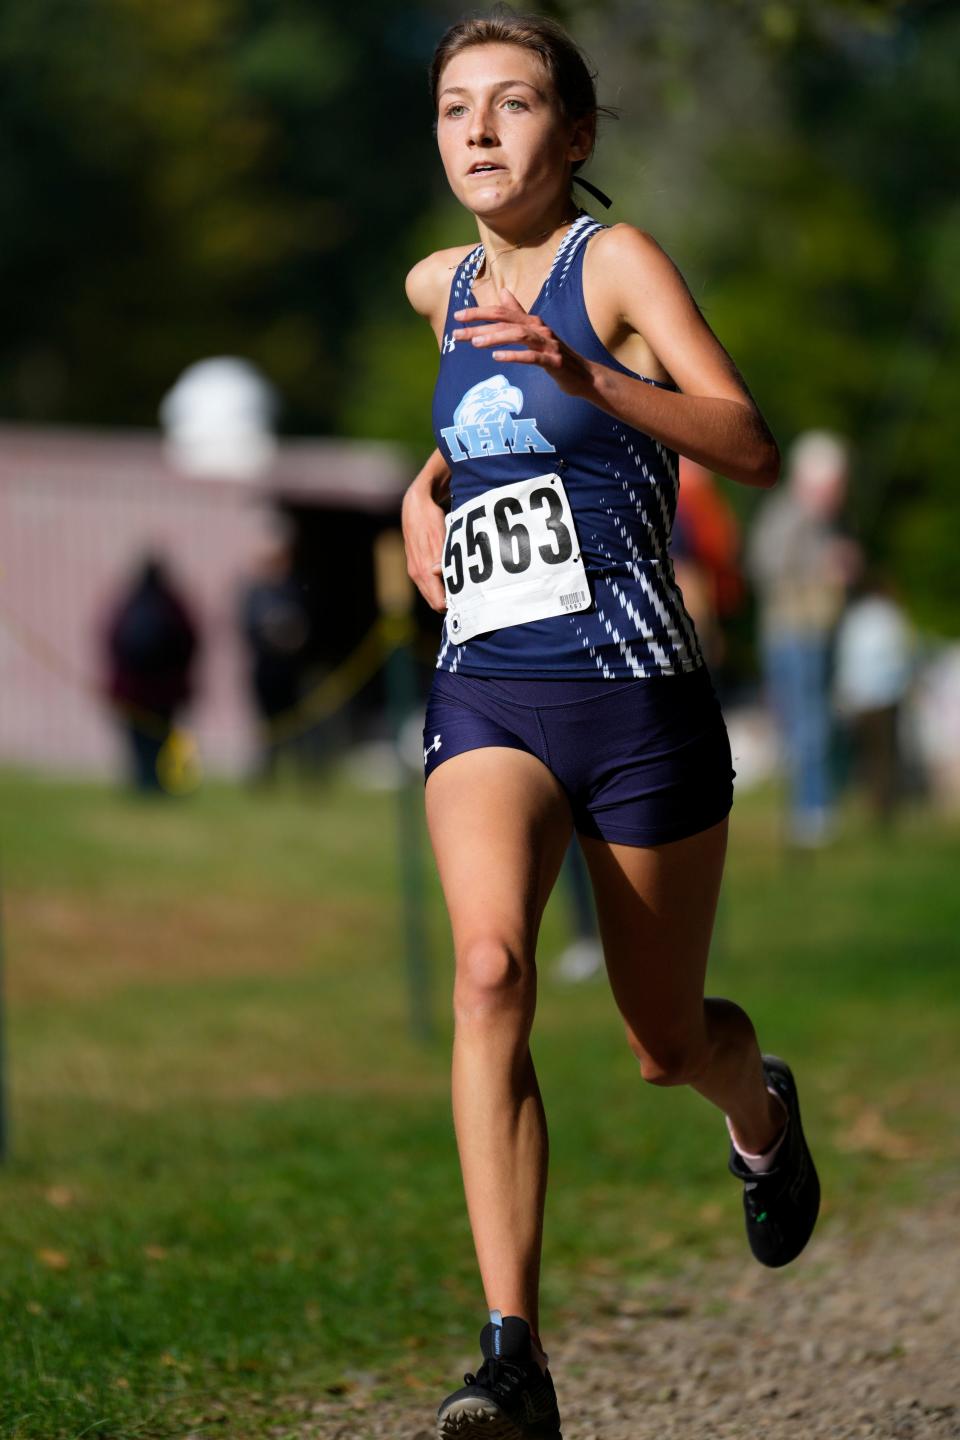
{"x": 503, "y": 140}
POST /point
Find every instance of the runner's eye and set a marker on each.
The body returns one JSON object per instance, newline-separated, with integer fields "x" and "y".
{"x": 453, "y": 111}
{"x": 515, "y": 104}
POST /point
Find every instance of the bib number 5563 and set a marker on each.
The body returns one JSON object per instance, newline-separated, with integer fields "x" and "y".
{"x": 479, "y": 541}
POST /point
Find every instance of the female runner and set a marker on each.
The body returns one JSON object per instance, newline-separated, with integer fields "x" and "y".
{"x": 570, "y": 691}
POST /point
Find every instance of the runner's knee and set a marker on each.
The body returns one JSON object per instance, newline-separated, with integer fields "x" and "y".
{"x": 491, "y": 980}
{"x": 669, "y": 1059}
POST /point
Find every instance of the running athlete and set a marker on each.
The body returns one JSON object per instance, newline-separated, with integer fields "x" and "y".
{"x": 570, "y": 692}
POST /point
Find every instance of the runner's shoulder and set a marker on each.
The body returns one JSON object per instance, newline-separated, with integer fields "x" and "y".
{"x": 624, "y": 252}
{"x": 428, "y": 283}
{"x": 622, "y": 240}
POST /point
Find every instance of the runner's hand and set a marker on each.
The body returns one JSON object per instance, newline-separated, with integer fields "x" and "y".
{"x": 424, "y": 533}
{"x": 508, "y": 324}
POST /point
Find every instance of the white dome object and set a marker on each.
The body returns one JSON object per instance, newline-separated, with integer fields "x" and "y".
{"x": 218, "y": 420}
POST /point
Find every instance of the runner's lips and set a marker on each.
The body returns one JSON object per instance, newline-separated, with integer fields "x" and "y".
{"x": 484, "y": 167}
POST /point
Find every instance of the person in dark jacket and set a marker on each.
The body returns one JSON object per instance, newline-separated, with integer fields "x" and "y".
{"x": 275, "y": 624}
{"x": 151, "y": 643}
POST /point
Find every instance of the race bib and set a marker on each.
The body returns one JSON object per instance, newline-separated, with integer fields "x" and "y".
{"x": 512, "y": 556}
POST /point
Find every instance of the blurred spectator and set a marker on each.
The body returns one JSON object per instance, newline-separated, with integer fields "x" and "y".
{"x": 934, "y": 724}
{"x": 276, "y": 627}
{"x": 873, "y": 668}
{"x": 705, "y": 547}
{"x": 151, "y": 643}
{"x": 582, "y": 958}
{"x": 801, "y": 566}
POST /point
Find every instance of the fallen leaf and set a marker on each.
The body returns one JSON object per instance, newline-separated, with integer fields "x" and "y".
{"x": 59, "y": 1196}
{"x": 870, "y": 1134}
{"x": 660, "y": 1240}
{"x": 53, "y": 1259}
{"x": 34, "y": 1308}
{"x": 155, "y": 1252}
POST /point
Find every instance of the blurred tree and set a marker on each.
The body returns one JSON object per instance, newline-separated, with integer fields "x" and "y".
{"x": 831, "y": 275}
{"x": 798, "y": 161}
{"x": 197, "y": 178}
{"x": 213, "y": 176}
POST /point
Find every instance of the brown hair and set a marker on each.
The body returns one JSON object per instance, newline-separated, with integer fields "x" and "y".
{"x": 564, "y": 62}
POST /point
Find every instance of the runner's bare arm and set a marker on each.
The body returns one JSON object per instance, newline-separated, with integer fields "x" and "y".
{"x": 428, "y": 285}
{"x": 423, "y": 514}
{"x": 423, "y": 518}
{"x": 713, "y": 419}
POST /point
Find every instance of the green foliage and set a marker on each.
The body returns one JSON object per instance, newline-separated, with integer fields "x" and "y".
{"x": 392, "y": 354}
{"x": 182, "y": 180}
{"x": 834, "y": 279}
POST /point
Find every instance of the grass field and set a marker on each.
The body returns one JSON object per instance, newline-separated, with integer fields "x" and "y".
{"x": 233, "y": 1178}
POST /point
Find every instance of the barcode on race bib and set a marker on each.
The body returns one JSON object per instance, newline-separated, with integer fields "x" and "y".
{"x": 512, "y": 556}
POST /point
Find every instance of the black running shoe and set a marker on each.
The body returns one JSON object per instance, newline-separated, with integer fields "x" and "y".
{"x": 780, "y": 1205}
{"x": 509, "y": 1398}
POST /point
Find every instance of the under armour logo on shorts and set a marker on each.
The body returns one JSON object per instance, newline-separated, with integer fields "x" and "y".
{"x": 431, "y": 748}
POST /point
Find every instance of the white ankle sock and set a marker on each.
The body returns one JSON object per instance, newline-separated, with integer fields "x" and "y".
{"x": 759, "y": 1164}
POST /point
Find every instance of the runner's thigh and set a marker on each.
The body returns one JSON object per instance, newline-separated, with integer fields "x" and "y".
{"x": 656, "y": 906}
{"x": 499, "y": 824}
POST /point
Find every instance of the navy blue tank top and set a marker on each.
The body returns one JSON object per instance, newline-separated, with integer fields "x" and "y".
{"x": 495, "y": 424}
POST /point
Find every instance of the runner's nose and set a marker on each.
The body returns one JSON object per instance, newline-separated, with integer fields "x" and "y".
{"x": 481, "y": 129}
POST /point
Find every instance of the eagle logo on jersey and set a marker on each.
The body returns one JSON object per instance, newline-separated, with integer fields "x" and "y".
{"x": 485, "y": 423}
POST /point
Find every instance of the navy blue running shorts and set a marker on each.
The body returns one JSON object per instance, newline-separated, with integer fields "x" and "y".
{"x": 643, "y": 762}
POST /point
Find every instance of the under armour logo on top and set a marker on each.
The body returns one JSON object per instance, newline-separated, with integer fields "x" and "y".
{"x": 431, "y": 748}
{"x": 448, "y": 344}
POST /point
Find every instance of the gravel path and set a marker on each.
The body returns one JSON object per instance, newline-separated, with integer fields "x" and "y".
{"x": 861, "y": 1337}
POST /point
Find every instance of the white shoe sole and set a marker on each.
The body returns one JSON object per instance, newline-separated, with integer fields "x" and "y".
{"x": 473, "y": 1418}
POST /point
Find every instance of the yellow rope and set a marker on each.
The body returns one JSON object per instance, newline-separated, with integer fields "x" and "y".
{"x": 387, "y": 634}
{"x": 179, "y": 757}
{"x": 178, "y": 764}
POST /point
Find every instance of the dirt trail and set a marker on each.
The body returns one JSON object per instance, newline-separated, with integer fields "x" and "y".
{"x": 861, "y": 1338}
